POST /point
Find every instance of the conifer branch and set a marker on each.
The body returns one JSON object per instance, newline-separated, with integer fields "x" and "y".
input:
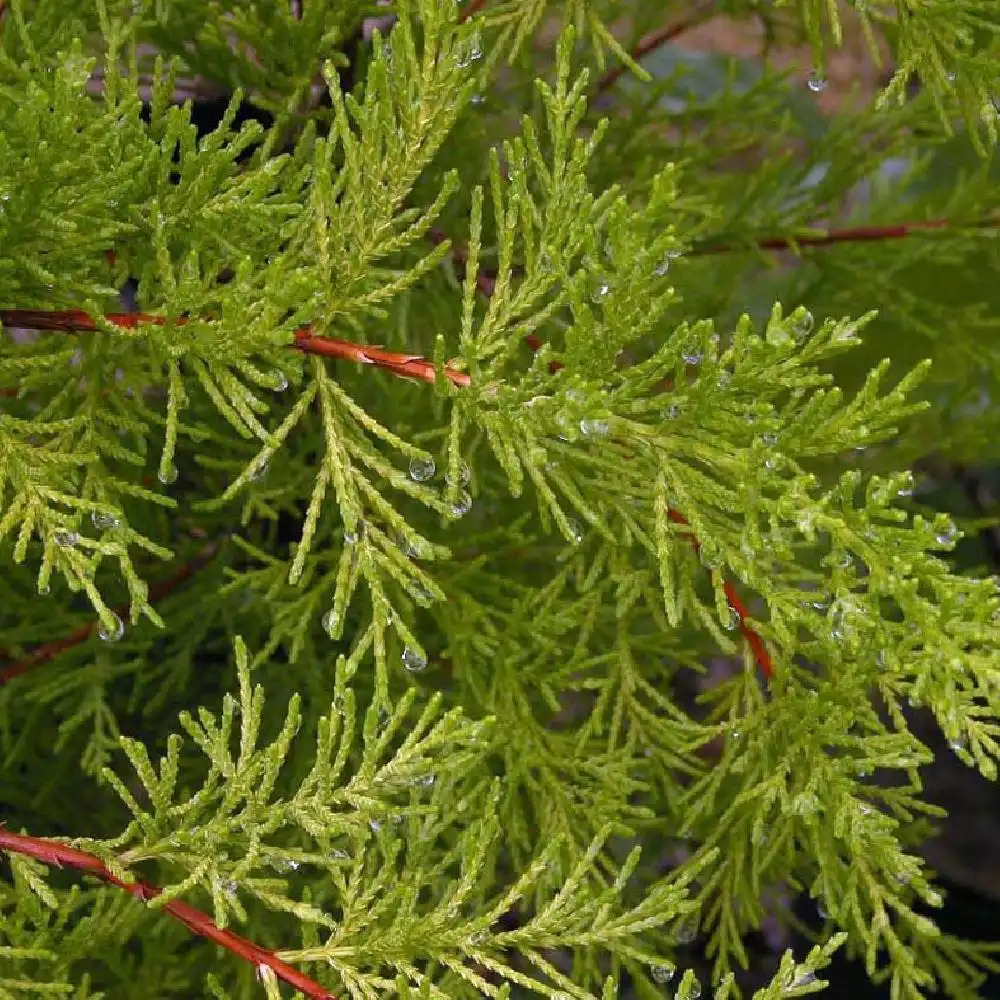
{"x": 158, "y": 591}
{"x": 52, "y": 853}
{"x": 404, "y": 365}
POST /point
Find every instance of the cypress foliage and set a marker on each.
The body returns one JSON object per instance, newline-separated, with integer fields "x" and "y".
{"x": 500, "y": 470}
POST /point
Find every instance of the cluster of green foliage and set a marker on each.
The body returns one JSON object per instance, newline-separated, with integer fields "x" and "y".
{"x": 468, "y": 620}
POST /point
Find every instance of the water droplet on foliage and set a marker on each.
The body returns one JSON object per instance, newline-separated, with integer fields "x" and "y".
{"x": 816, "y": 82}
{"x": 687, "y": 932}
{"x": 673, "y": 411}
{"x": 480, "y": 937}
{"x": 464, "y": 475}
{"x": 167, "y": 474}
{"x": 375, "y": 825}
{"x": 594, "y": 428}
{"x": 803, "y": 979}
{"x": 421, "y": 469}
{"x": 692, "y": 354}
{"x": 470, "y": 51}
{"x": 103, "y": 521}
{"x": 258, "y": 471}
{"x": 113, "y": 632}
{"x": 575, "y": 530}
{"x": 694, "y": 990}
{"x": 947, "y": 534}
{"x": 957, "y": 744}
{"x": 803, "y": 324}
{"x": 733, "y": 621}
{"x": 425, "y": 781}
{"x": 662, "y": 973}
{"x": 286, "y": 865}
{"x": 477, "y": 99}
{"x": 282, "y": 382}
{"x": 330, "y": 622}
{"x": 824, "y": 913}
{"x": 770, "y": 438}
{"x": 412, "y": 660}
{"x": 601, "y": 291}
{"x": 462, "y": 505}
{"x": 723, "y": 380}
{"x": 67, "y": 539}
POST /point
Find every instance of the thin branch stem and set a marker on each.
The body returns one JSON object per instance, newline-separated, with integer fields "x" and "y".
{"x": 53, "y": 853}
{"x": 852, "y": 234}
{"x": 404, "y": 365}
{"x": 474, "y": 7}
{"x": 651, "y": 42}
{"x": 49, "y": 650}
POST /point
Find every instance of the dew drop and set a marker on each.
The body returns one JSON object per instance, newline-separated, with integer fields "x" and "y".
{"x": 421, "y": 469}
{"x": 462, "y": 505}
{"x": 770, "y": 438}
{"x": 375, "y": 825}
{"x": 601, "y": 291}
{"x": 103, "y": 521}
{"x": 662, "y": 973}
{"x": 258, "y": 471}
{"x": 692, "y": 354}
{"x": 284, "y": 865}
{"x": 957, "y": 744}
{"x": 733, "y": 621}
{"x": 594, "y": 428}
{"x": 673, "y": 411}
{"x": 477, "y": 99}
{"x": 803, "y": 979}
{"x": 803, "y": 324}
{"x": 426, "y": 780}
{"x": 824, "y": 913}
{"x": 694, "y": 990}
{"x": 947, "y": 534}
{"x": 167, "y": 474}
{"x": 67, "y": 539}
{"x": 687, "y": 932}
{"x": 816, "y": 82}
{"x": 576, "y": 532}
{"x": 281, "y": 382}
{"x": 330, "y": 622}
{"x": 113, "y": 632}
{"x": 471, "y": 51}
{"x": 464, "y": 475}
{"x": 413, "y": 660}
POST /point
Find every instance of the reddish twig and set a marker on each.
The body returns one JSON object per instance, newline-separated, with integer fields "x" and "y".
{"x": 757, "y": 645}
{"x": 405, "y": 365}
{"x": 648, "y": 43}
{"x": 52, "y": 853}
{"x": 49, "y": 650}
{"x": 473, "y": 7}
{"x": 853, "y": 234}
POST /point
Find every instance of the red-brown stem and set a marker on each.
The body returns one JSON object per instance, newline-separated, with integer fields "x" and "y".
{"x": 649, "y": 43}
{"x": 757, "y": 645}
{"x": 48, "y": 650}
{"x": 853, "y": 234}
{"x": 52, "y": 853}
{"x": 474, "y": 7}
{"x": 405, "y": 365}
